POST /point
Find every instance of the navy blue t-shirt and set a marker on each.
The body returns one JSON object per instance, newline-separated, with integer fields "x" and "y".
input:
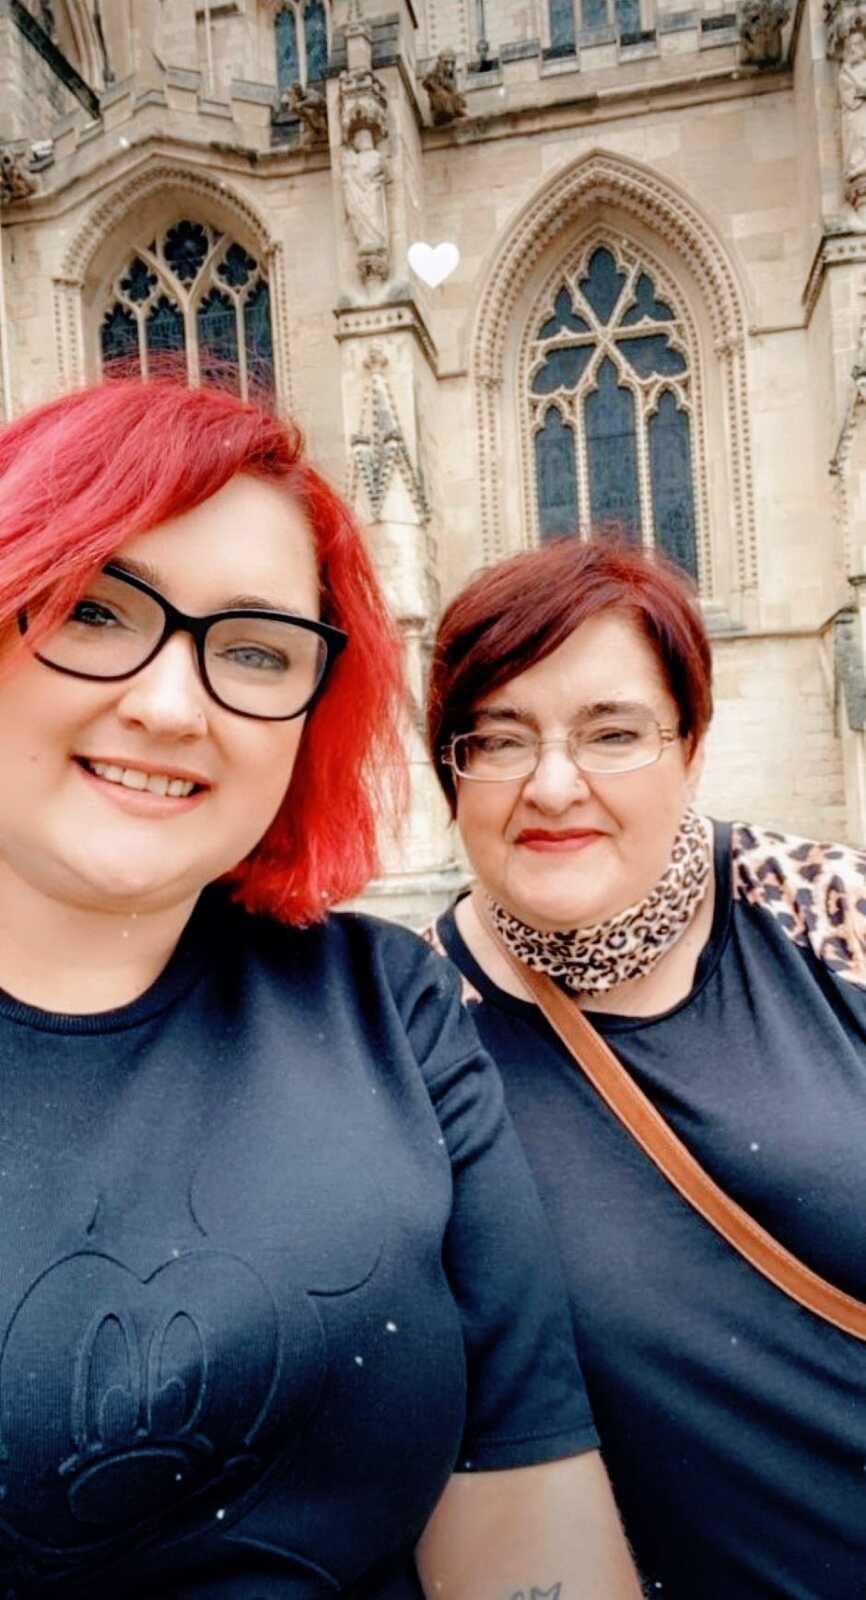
{"x": 271, "y": 1265}
{"x": 732, "y": 1421}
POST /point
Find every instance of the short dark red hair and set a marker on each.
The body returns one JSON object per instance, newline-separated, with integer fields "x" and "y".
{"x": 84, "y": 473}
{"x": 514, "y": 614}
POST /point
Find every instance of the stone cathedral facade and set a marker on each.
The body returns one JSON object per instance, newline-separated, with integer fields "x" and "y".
{"x": 657, "y": 321}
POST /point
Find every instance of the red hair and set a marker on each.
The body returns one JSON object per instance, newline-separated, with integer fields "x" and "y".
{"x": 88, "y": 471}
{"x": 518, "y": 612}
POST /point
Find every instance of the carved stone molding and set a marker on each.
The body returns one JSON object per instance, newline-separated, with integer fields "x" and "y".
{"x": 158, "y": 175}
{"x": 603, "y": 179}
{"x": 356, "y": 322}
{"x": 840, "y": 249}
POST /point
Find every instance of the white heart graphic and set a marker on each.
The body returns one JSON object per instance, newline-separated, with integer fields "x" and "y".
{"x": 433, "y": 265}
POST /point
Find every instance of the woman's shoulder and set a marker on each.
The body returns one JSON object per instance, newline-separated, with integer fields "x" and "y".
{"x": 432, "y": 933}
{"x": 816, "y": 893}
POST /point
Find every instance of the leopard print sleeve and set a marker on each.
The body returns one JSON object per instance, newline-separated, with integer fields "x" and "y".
{"x": 816, "y": 892}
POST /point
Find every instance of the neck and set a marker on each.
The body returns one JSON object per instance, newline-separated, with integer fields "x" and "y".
{"x": 61, "y": 957}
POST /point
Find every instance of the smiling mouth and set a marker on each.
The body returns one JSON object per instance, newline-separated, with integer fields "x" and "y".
{"x": 158, "y": 783}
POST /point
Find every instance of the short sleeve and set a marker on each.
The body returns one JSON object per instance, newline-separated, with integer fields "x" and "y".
{"x": 527, "y": 1400}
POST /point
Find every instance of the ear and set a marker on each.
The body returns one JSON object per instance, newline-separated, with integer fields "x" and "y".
{"x": 695, "y": 768}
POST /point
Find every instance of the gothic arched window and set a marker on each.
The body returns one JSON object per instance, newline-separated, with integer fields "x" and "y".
{"x": 610, "y": 396}
{"x": 301, "y": 38}
{"x": 197, "y": 295}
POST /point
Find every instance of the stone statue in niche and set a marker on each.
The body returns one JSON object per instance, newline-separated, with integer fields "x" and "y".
{"x": 761, "y": 23}
{"x": 446, "y": 101}
{"x": 15, "y": 183}
{"x": 852, "y": 101}
{"x": 311, "y": 107}
{"x": 364, "y": 170}
{"x": 845, "y": 22}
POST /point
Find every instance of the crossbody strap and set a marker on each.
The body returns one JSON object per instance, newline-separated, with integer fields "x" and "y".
{"x": 655, "y": 1136}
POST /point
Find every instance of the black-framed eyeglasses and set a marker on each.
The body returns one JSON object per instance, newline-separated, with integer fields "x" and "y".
{"x": 265, "y": 664}
{"x": 604, "y": 745}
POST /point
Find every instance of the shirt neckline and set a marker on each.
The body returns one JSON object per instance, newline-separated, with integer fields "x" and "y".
{"x": 181, "y": 971}
{"x": 607, "y": 1021}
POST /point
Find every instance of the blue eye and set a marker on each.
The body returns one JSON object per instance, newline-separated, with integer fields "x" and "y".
{"x": 92, "y": 614}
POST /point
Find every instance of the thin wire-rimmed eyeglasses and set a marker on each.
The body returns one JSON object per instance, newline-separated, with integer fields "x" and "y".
{"x": 257, "y": 663}
{"x": 604, "y": 746}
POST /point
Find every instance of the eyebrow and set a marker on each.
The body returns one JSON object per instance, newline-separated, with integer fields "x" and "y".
{"x": 599, "y": 708}
{"x": 246, "y": 602}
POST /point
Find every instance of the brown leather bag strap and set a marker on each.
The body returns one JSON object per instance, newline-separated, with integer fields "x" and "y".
{"x": 655, "y": 1136}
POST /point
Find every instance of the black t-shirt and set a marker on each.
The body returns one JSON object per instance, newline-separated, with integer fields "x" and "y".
{"x": 270, "y": 1267}
{"x": 732, "y": 1421}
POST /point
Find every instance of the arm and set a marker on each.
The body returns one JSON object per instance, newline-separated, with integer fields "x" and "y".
{"x": 548, "y": 1532}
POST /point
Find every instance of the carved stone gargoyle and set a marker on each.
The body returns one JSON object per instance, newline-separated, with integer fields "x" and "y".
{"x": 15, "y": 182}
{"x": 447, "y": 104}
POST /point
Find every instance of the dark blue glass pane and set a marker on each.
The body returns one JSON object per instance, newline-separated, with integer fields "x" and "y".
{"x": 561, "y": 24}
{"x": 236, "y": 266}
{"x": 218, "y": 339}
{"x": 288, "y": 63}
{"x": 646, "y": 305}
{"x": 628, "y": 16}
{"x": 119, "y": 334}
{"x": 671, "y": 477}
{"x": 164, "y": 327}
{"x": 562, "y": 369}
{"x": 563, "y": 319}
{"x": 611, "y": 447}
{"x": 595, "y": 13}
{"x": 556, "y": 476}
{"x": 138, "y": 282}
{"x": 260, "y": 344}
{"x": 603, "y": 284}
{"x": 316, "y": 37}
{"x": 650, "y": 353}
{"x": 185, "y": 249}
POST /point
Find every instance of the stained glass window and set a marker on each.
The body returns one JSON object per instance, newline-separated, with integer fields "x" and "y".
{"x": 195, "y": 296}
{"x": 316, "y": 40}
{"x": 288, "y": 59}
{"x": 301, "y": 39}
{"x": 562, "y": 25}
{"x": 610, "y": 396}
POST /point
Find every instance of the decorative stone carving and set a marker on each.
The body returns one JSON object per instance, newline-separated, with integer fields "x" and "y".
{"x": 760, "y": 23}
{"x": 447, "y": 104}
{"x": 846, "y": 41}
{"x": 15, "y": 183}
{"x": 379, "y": 450}
{"x": 311, "y": 107}
{"x": 364, "y": 169}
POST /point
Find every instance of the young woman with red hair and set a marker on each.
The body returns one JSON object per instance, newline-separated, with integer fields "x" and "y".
{"x": 725, "y": 967}
{"x": 255, "y": 1173}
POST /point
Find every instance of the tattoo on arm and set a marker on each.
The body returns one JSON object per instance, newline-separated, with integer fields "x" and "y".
{"x": 539, "y": 1594}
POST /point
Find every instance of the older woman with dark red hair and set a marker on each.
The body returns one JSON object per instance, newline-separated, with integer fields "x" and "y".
{"x": 700, "y": 1148}
{"x": 255, "y": 1172}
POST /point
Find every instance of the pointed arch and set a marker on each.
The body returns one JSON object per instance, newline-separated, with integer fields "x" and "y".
{"x": 156, "y": 188}
{"x": 602, "y": 190}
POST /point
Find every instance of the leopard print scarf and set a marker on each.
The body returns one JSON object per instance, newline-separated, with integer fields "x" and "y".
{"x": 595, "y": 959}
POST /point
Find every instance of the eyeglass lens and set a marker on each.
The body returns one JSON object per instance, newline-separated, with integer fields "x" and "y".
{"x": 259, "y": 665}
{"x": 612, "y": 743}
